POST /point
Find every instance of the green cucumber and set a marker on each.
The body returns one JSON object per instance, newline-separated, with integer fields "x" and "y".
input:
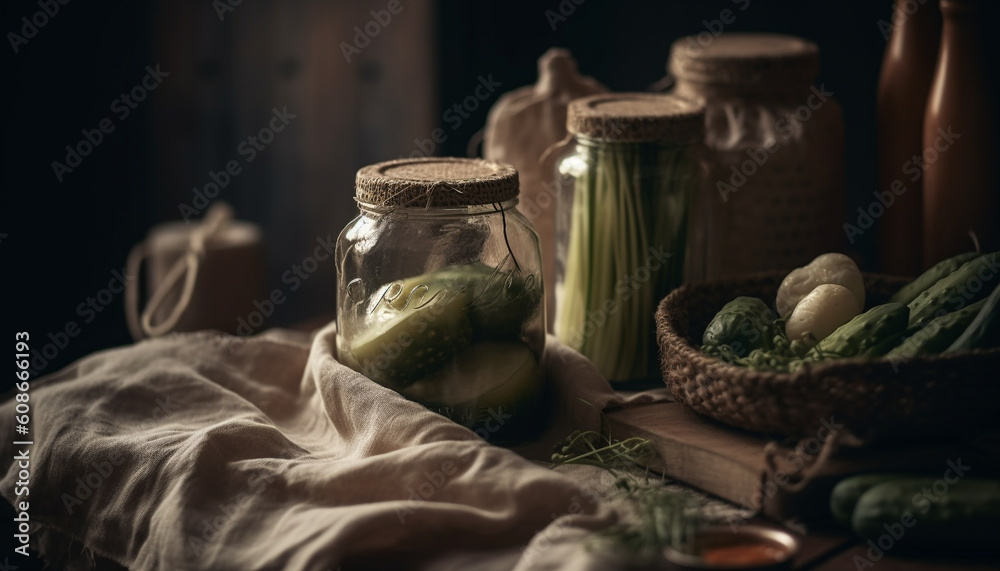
{"x": 971, "y": 282}
{"x": 743, "y": 325}
{"x": 938, "y": 334}
{"x": 931, "y": 513}
{"x": 887, "y": 344}
{"x": 862, "y": 334}
{"x": 414, "y": 335}
{"x": 846, "y": 493}
{"x": 984, "y": 329}
{"x": 502, "y": 302}
{"x": 942, "y": 269}
{"x": 422, "y": 322}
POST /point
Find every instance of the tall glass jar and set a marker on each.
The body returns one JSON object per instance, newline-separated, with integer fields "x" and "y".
{"x": 626, "y": 193}
{"x": 440, "y": 292}
{"x": 775, "y": 188}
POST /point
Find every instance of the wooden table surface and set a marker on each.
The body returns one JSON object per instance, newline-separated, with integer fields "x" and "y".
{"x": 726, "y": 463}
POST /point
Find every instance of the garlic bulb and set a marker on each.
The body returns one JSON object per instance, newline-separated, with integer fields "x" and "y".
{"x": 831, "y": 268}
{"x": 820, "y": 313}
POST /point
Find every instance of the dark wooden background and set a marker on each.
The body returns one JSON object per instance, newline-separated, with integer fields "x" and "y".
{"x": 63, "y": 240}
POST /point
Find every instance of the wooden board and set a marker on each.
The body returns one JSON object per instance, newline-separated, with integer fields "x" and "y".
{"x": 730, "y": 464}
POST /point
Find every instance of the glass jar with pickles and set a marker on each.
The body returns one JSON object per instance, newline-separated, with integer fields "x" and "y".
{"x": 440, "y": 292}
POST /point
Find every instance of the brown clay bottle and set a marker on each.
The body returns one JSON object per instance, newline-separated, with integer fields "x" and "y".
{"x": 961, "y": 142}
{"x": 903, "y": 85}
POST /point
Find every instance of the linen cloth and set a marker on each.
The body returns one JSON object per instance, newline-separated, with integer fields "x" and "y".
{"x": 208, "y": 451}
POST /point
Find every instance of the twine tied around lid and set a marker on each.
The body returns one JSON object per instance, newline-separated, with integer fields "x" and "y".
{"x": 438, "y": 182}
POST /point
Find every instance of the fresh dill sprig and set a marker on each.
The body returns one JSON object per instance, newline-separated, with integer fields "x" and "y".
{"x": 663, "y": 517}
{"x": 591, "y": 447}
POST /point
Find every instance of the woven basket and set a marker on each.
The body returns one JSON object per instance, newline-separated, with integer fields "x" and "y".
{"x": 872, "y": 399}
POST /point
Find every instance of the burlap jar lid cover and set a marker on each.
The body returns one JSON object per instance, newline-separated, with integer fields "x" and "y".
{"x": 637, "y": 117}
{"x": 741, "y": 59}
{"x": 435, "y": 182}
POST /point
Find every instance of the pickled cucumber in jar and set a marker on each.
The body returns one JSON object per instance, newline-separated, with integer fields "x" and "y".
{"x": 460, "y": 340}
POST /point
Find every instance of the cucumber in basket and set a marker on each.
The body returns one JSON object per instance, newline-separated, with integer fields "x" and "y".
{"x": 973, "y": 281}
{"x": 940, "y": 270}
{"x": 864, "y": 333}
{"x": 984, "y": 329}
{"x": 938, "y": 334}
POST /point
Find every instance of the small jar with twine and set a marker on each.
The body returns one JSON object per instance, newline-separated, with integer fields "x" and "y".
{"x": 440, "y": 293}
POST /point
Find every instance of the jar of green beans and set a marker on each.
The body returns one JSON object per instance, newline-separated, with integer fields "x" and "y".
{"x": 627, "y": 191}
